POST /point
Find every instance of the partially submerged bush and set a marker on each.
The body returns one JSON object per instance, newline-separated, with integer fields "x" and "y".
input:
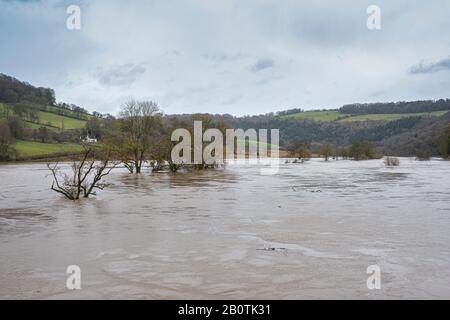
{"x": 423, "y": 155}
{"x": 363, "y": 150}
{"x": 300, "y": 150}
{"x": 301, "y": 160}
{"x": 391, "y": 161}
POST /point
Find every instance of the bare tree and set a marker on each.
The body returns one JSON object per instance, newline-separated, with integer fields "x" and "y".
{"x": 6, "y": 141}
{"x": 86, "y": 175}
{"x": 139, "y": 120}
{"x": 300, "y": 150}
{"x": 326, "y": 151}
{"x": 162, "y": 145}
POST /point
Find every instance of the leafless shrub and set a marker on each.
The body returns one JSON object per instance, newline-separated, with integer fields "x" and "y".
{"x": 391, "y": 161}
{"x": 85, "y": 176}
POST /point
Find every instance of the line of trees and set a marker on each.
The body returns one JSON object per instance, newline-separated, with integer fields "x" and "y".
{"x": 358, "y": 150}
{"x": 70, "y": 110}
{"x": 396, "y": 107}
{"x": 139, "y": 136}
{"x": 142, "y": 135}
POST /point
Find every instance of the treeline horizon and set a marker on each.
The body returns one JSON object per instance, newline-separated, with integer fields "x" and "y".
{"x": 409, "y": 136}
{"x": 15, "y": 92}
{"x": 399, "y": 107}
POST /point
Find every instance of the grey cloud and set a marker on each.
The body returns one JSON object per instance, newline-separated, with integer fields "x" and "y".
{"x": 423, "y": 67}
{"x": 122, "y": 75}
{"x": 262, "y": 64}
{"x": 243, "y": 47}
{"x": 223, "y": 57}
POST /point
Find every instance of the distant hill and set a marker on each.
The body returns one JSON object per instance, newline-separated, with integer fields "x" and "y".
{"x": 372, "y": 111}
{"x": 425, "y": 106}
{"x": 51, "y": 117}
{"x": 401, "y": 128}
{"x": 423, "y": 136}
{"x": 37, "y": 106}
{"x": 35, "y": 124}
{"x": 401, "y": 134}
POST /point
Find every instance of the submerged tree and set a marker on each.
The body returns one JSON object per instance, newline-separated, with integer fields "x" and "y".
{"x": 6, "y": 141}
{"x": 444, "y": 143}
{"x": 326, "y": 151}
{"x": 300, "y": 150}
{"x": 84, "y": 176}
{"x": 362, "y": 150}
{"x": 139, "y": 121}
{"x": 161, "y": 148}
{"x": 391, "y": 161}
{"x": 423, "y": 154}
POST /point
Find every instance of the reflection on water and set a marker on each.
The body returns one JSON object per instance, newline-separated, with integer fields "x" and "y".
{"x": 310, "y": 231}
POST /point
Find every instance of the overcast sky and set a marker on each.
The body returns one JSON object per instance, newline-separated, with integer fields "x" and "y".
{"x": 229, "y": 56}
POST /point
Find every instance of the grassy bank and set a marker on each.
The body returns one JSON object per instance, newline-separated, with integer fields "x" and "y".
{"x": 392, "y": 116}
{"x": 50, "y": 118}
{"x": 59, "y": 121}
{"x": 315, "y": 115}
{"x": 34, "y": 150}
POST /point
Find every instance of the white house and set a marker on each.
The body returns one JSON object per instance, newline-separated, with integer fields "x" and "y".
{"x": 88, "y": 139}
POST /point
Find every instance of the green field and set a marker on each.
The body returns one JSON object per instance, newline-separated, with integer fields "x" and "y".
{"x": 68, "y": 113}
{"x": 29, "y": 149}
{"x": 53, "y": 120}
{"x": 341, "y": 117}
{"x": 392, "y": 116}
{"x": 56, "y": 120}
{"x": 315, "y": 115}
{"x": 33, "y": 125}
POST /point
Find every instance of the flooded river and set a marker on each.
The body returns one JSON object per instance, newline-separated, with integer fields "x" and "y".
{"x": 309, "y": 231}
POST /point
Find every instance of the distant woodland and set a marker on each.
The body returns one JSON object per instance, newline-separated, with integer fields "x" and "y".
{"x": 32, "y": 115}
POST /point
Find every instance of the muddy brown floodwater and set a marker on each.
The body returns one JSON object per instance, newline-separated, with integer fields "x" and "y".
{"x": 310, "y": 231}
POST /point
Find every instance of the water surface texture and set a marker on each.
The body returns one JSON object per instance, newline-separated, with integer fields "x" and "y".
{"x": 310, "y": 231}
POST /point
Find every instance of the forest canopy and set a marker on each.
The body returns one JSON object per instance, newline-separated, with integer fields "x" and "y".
{"x": 15, "y": 91}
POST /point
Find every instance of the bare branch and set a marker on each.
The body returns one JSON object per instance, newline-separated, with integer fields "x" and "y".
{"x": 86, "y": 175}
